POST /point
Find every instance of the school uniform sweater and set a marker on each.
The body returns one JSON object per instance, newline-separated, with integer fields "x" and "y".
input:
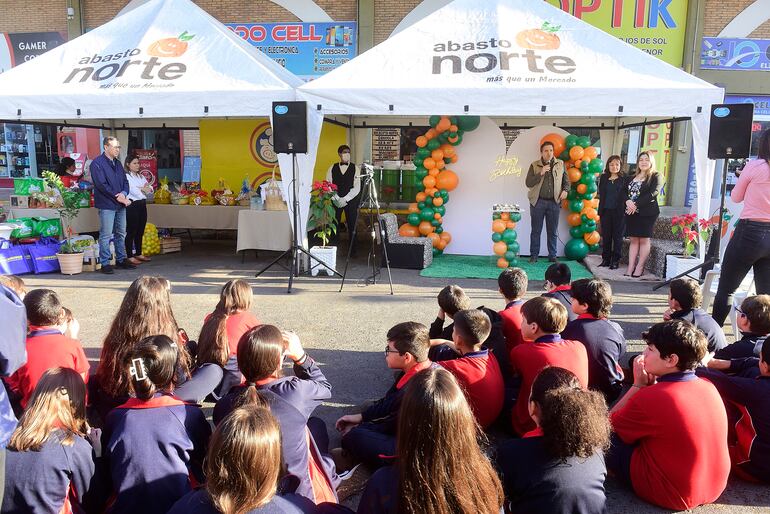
{"x": 679, "y": 427}
{"x": 47, "y": 348}
{"x": 57, "y": 478}
{"x": 478, "y": 373}
{"x": 706, "y": 324}
{"x": 292, "y": 401}
{"x": 750, "y": 345}
{"x": 564, "y": 295}
{"x": 199, "y": 502}
{"x": 512, "y": 324}
{"x": 530, "y": 358}
{"x": 155, "y": 449}
{"x": 605, "y": 345}
{"x": 535, "y": 482}
{"x": 750, "y": 450}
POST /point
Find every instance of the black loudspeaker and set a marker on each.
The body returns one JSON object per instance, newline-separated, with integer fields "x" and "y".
{"x": 290, "y": 127}
{"x": 730, "y": 135}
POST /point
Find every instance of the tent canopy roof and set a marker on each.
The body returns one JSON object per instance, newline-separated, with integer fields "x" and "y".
{"x": 160, "y": 62}
{"x": 508, "y": 58}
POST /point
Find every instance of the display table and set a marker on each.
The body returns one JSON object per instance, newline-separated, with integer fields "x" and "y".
{"x": 263, "y": 230}
{"x": 87, "y": 220}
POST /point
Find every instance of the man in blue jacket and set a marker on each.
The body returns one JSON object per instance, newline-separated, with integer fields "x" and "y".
{"x": 111, "y": 199}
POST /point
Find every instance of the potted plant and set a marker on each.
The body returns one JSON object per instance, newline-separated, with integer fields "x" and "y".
{"x": 324, "y": 222}
{"x": 70, "y": 255}
{"x": 686, "y": 228}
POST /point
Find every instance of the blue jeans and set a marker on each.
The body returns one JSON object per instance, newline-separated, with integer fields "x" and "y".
{"x": 549, "y": 210}
{"x": 112, "y": 223}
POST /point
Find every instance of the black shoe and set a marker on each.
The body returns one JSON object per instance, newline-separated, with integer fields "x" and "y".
{"x": 107, "y": 270}
{"x": 533, "y": 260}
{"x": 126, "y": 265}
{"x": 552, "y": 259}
{"x": 614, "y": 265}
{"x": 604, "y": 263}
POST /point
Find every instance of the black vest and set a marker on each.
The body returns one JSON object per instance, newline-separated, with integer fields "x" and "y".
{"x": 343, "y": 181}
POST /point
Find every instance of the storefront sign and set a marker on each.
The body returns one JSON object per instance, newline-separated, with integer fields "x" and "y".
{"x": 761, "y": 105}
{"x": 18, "y": 48}
{"x": 735, "y": 54}
{"x": 308, "y": 50}
{"x": 655, "y": 26}
{"x": 148, "y": 165}
{"x": 657, "y": 141}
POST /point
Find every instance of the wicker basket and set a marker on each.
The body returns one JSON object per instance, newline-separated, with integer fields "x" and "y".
{"x": 273, "y": 197}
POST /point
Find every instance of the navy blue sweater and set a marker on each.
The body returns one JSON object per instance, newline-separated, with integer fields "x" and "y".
{"x": 605, "y": 344}
{"x": 564, "y": 295}
{"x": 13, "y": 354}
{"x": 707, "y": 325}
{"x": 154, "y": 449}
{"x": 292, "y": 401}
{"x": 199, "y": 502}
{"x": 109, "y": 179}
{"x": 46, "y": 480}
{"x": 748, "y": 346}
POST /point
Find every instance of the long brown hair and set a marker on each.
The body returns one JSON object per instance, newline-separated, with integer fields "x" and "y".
{"x": 607, "y": 166}
{"x": 244, "y": 460}
{"x": 145, "y": 311}
{"x": 213, "y": 346}
{"x": 58, "y": 402}
{"x": 574, "y": 421}
{"x": 260, "y": 354}
{"x": 152, "y": 366}
{"x": 440, "y": 463}
{"x": 653, "y": 168}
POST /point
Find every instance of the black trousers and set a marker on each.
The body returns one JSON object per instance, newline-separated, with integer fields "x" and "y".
{"x": 136, "y": 219}
{"x": 749, "y": 247}
{"x": 351, "y": 216}
{"x": 613, "y": 226}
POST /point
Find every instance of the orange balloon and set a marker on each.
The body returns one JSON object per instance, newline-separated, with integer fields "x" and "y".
{"x": 453, "y": 139}
{"x": 510, "y": 224}
{"x": 454, "y": 158}
{"x": 448, "y": 149}
{"x": 437, "y": 155}
{"x": 438, "y": 202}
{"x": 443, "y": 125}
{"x": 573, "y": 219}
{"x": 581, "y": 188}
{"x": 440, "y": 164}
{"x": 590, "y": 153}
{"x": 592, "y": 238}
{"x": 565, "y": 204}
{"x": 576, "y": 153}
{"x": 413, "y": 208}
{"x": 556, "y": 140}
{"x": 594, "y": 203}
{"x": 425, "y": 228}
{"x": 505, "y": 216}
{"x": 430, "y": 134}
{"x": 498, "y": 226}
{"x": 433, "y": 172}
{"x": 452, "y": 128}
{"x": 590, "y": 212}
{"x": 502, "y": 263}
{"x": 407, "y": 230}
{"x": 437, "y": 216}
{"x": 574, "y": 174}
{"x": 434, "y": 239}
{"x": 430, "y": 181}
{"x": 431, "y": 191}
{"x": 447, "y": 179}
{"x": 446, "y": 236}
{"x": 420, "y": 197}
{"x": 442, "y": 244}
{"x": 421, "y": 141}
{"x": 597, "y": 218}
{"x": 586, "y": 204}
{"x": 500, "y": 247}
{"x": 429, "y": 163}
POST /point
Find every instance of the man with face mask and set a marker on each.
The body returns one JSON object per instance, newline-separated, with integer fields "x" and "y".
{"x": 345, "y": 176}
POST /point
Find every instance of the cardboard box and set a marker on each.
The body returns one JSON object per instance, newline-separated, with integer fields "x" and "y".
{"x": 20, "y": 201}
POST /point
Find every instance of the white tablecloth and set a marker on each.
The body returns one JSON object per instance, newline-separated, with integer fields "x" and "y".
{"x": 263, "y": 230}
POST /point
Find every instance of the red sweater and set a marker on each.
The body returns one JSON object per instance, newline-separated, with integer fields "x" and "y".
{"x": 529, "y": 359}
{"x": 512, "y": 324}
{"x": 479, "y": 375}
{"x": 680, "y": 428}
{"x": 237, "y": 325}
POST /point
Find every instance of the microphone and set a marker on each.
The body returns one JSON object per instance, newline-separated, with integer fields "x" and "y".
{"x": 551, "y": 163}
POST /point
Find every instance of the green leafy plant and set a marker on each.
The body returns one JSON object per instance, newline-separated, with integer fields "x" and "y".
{"x": 322, "y": 214}
{"x": 68, "y": 211}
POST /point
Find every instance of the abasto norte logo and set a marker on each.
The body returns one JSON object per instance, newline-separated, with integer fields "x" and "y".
{"x": 129, "y": 65}
{"x": 536, "y": 62}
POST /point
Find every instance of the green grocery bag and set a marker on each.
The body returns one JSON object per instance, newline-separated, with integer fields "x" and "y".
{"x": 27, "y": 186}
{"x": 47, "y": 227}
{"x": 26, "y": 231}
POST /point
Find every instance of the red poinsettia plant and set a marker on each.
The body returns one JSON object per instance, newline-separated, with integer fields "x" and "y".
{"x": 322, "y": 214}
{"x": 691, "y": 229}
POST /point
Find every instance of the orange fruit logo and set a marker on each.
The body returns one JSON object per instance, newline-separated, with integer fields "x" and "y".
{"x": 170, "y": 46}
{"x": 544, "y": 38}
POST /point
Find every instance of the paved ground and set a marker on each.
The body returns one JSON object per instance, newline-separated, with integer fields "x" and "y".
{"x": 344, "y": 332}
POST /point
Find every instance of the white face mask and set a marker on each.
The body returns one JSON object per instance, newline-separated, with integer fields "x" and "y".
{"x": 345, "y": 157}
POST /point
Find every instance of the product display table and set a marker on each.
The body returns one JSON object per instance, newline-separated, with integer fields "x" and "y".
{"x": 87, "y": 220}
{"x": 263, "y": 230}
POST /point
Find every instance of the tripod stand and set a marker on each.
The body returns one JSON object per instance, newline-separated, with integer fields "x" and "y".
{"x": 295, "y": 249}
{"x": 371, "y": 203}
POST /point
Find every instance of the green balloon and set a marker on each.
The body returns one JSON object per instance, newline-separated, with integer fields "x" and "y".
{"x": 419, "y": 175}
{"x": 467, "y": 123}
{"x": 576, "y": 249}
{"x": 595, "y": 247}
{"x": 584, "y": 141}
{"x": 586, "y": 178}
{"x": 421, "y": 206}
{"x": 440, "y": 209}
{"x": 436, "y": 195}
{"x": 439, "y": 230}
{"x": 509, "y": 235}
{"x": 437, "y": 252}
{"x": 495, "y": 215}
{"x": 513, "y": 247}
{"x": 497, "y": 237}
{"x": 444, "y": 193}
{"x": 417, "y": 161}
{"x": 509, "y": 256}
{"x": 583, "y": 166}
{"x": 583, "y": 218}
{"x": 433, "y": 121}
{"x": 587, "y": 196}
{"x": 588, "y": 227}
{"x": 570, "y": 141}
{"x": 447, "y": 160}
{"x": 433, "y": 144}
{"x": 576, "y": 205}
{"x": 564, "y": 156}
{"x": 435, "y": 222}
{"x": 516, "y": 217}
{"x": 573, "y": 194}
{"x": 423, "y": 152}
{"x": 443, "y": 137}
{"x": 576, "y": 232}
{"x": 446, "y": 200}
{"x": 459, "y": 140}
{"x": 590, "y": 188}
{"x": 596, "y": 166}
{"x": 413, "y": 219}
{"x": 427, "y": 214}
{"x": 513, "y": 262}
{"x": 453, "y": 120}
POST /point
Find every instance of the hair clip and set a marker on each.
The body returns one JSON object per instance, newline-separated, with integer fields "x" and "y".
{"x": 138, "y": 369}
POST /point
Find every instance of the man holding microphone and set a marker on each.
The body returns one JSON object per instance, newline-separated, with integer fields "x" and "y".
{"x": 548, "y": 186}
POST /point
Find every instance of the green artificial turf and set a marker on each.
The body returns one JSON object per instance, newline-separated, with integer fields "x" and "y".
{"x": 482, "y": 266}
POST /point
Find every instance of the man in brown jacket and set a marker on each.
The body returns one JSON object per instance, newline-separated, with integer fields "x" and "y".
{"x": 548, "y": 186}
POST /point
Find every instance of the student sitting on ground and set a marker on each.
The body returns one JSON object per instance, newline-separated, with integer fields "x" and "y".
{"x": 749, "y": 442}
{"x": 542, "y": 320}
{"x": 372, "y": 434}
{"x": 557, "y": 285}
{"x": 222, "y": 329}
{"x": 670, "y": 441}
{"x": 476, "y": 369}
{"x": 440, "y": 467}
{"x": 450, "y": 300}
{"x": 559, "y": 466}
{"x": 292, "y": 400}
{"x": 754, "y": 324}
{"x": 603, "y": 339}
{"x": 15, "y": 284}
{"x": 684, "y": 301}
{"x": 50, "y": 464}
{"x": 155, "y": 442}
{"x": 47, "y": 346}
{"x": 513, "y": 286}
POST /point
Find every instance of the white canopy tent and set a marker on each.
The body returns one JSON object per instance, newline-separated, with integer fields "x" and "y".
{"x": 522, "y": 62}
{"x": 161, "y": 63}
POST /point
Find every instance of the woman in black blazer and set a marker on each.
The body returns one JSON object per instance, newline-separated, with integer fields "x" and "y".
{"x": 641, "y": 212}
{"x": 612, "y": 208}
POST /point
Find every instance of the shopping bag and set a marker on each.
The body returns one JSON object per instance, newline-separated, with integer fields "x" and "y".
{"x": 27, "y": 229}
{"x": 47, "y": 227}
{"x": 14, "y": 260}
{"x": 43, "y": 255}
{"x": 27, "y": 186}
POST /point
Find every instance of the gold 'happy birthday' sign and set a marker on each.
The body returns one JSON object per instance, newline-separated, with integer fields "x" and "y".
{"x": 505, "y": 166}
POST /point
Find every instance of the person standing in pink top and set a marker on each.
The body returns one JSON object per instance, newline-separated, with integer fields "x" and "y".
{"x": 750, "y": 245}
